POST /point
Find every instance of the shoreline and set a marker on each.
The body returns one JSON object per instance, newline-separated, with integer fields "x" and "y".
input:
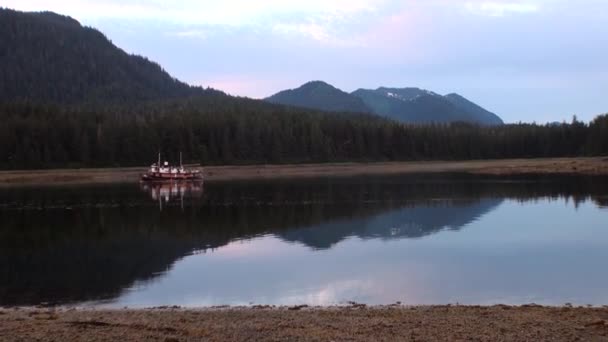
{"x": 356, "y": 322}
{"x": 588, "y": 166}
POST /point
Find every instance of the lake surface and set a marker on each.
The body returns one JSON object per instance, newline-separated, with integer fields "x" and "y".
{"x": 414, "y": 239}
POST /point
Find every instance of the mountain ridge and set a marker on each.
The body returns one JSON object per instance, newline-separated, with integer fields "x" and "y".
{"x": 319, "y": 95}
{"x": 462, "y": 102}
{"x": 48, "y": 57}
{"x": 408, "y": 104}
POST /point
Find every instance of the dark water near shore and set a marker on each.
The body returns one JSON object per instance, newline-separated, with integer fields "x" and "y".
{"x": 378, "y": 240}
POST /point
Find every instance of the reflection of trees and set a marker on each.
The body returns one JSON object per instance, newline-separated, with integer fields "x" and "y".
{"x": 601, "y": 201}
{"x": 74, "y": 244}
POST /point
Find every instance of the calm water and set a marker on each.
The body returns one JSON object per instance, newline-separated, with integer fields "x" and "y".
{"x": 377, "y": 240}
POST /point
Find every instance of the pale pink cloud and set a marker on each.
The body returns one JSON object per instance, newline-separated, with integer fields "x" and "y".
{"x": 226, "y": 12}
{"x": 252, "y": 86}
{"x": 502, "y": 8}
{"x": 402, "y": 37}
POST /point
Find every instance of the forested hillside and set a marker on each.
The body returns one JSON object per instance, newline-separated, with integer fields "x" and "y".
{"x": 46, "y": 57}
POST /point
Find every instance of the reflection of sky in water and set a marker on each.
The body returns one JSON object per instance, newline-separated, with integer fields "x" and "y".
{"x": 544, "y": 251}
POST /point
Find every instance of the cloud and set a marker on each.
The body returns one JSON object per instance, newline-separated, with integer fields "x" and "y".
{"x": 313, "y": 30}
{"x": 318, "y": 20}
{"x": 199, "y": 34}
{"x": 325, "y": 33}
{"x": 243, "y": 84}
{"x": 501, "y": 8}
{"x": 209, "y": 12}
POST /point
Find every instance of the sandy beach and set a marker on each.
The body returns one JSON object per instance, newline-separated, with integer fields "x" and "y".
{"x": 577, "y": 166}
{"x": 351, "y": 323}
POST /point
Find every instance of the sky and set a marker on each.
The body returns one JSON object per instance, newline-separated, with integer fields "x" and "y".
{"x": 525, "y": 60}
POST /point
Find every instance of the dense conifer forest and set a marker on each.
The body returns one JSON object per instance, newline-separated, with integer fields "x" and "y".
{"x": 47, "y": 57}
{"x": 222, "y": 130}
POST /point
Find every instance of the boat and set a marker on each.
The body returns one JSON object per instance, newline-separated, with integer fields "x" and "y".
{"x": 166, "y": 173}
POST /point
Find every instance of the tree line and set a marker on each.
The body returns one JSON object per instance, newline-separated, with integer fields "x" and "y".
{"x": 213, "y": 129}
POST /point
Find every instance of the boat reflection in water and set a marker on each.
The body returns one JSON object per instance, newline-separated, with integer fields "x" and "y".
{"x": 167, "y": 192}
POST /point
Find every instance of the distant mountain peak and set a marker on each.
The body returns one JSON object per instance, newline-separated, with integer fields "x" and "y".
{"x": 416, "y": 105}
{"x": 405, "y": 94}
{"x": 455, "y": 96}
{"x": 317, "y": 83}
{"x": 320, "y": 95}
{"x": 406, "y": 104}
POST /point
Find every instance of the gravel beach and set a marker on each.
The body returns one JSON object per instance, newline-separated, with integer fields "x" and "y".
{"x": 356, "y": 322}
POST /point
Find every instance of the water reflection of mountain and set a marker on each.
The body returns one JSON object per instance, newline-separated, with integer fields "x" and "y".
{"x": 74, "y": 244}
{"x": 409, "y": 222}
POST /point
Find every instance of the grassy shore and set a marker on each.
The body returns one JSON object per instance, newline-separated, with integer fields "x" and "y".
{"x": 580, "y": 166}
{"x": 353, "y": 323}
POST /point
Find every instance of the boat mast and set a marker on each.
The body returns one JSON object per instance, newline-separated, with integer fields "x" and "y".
{"x": 158, "y": 158}
{"x": 180, "y": 160}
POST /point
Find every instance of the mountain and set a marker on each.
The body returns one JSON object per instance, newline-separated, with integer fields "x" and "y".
{"x": 410, "y": 105}
{"x": 475, "y": 110}
{"x": 414, "y": 105}
{"x": 322, "y": 96}
{"x": 47, "y": 57}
